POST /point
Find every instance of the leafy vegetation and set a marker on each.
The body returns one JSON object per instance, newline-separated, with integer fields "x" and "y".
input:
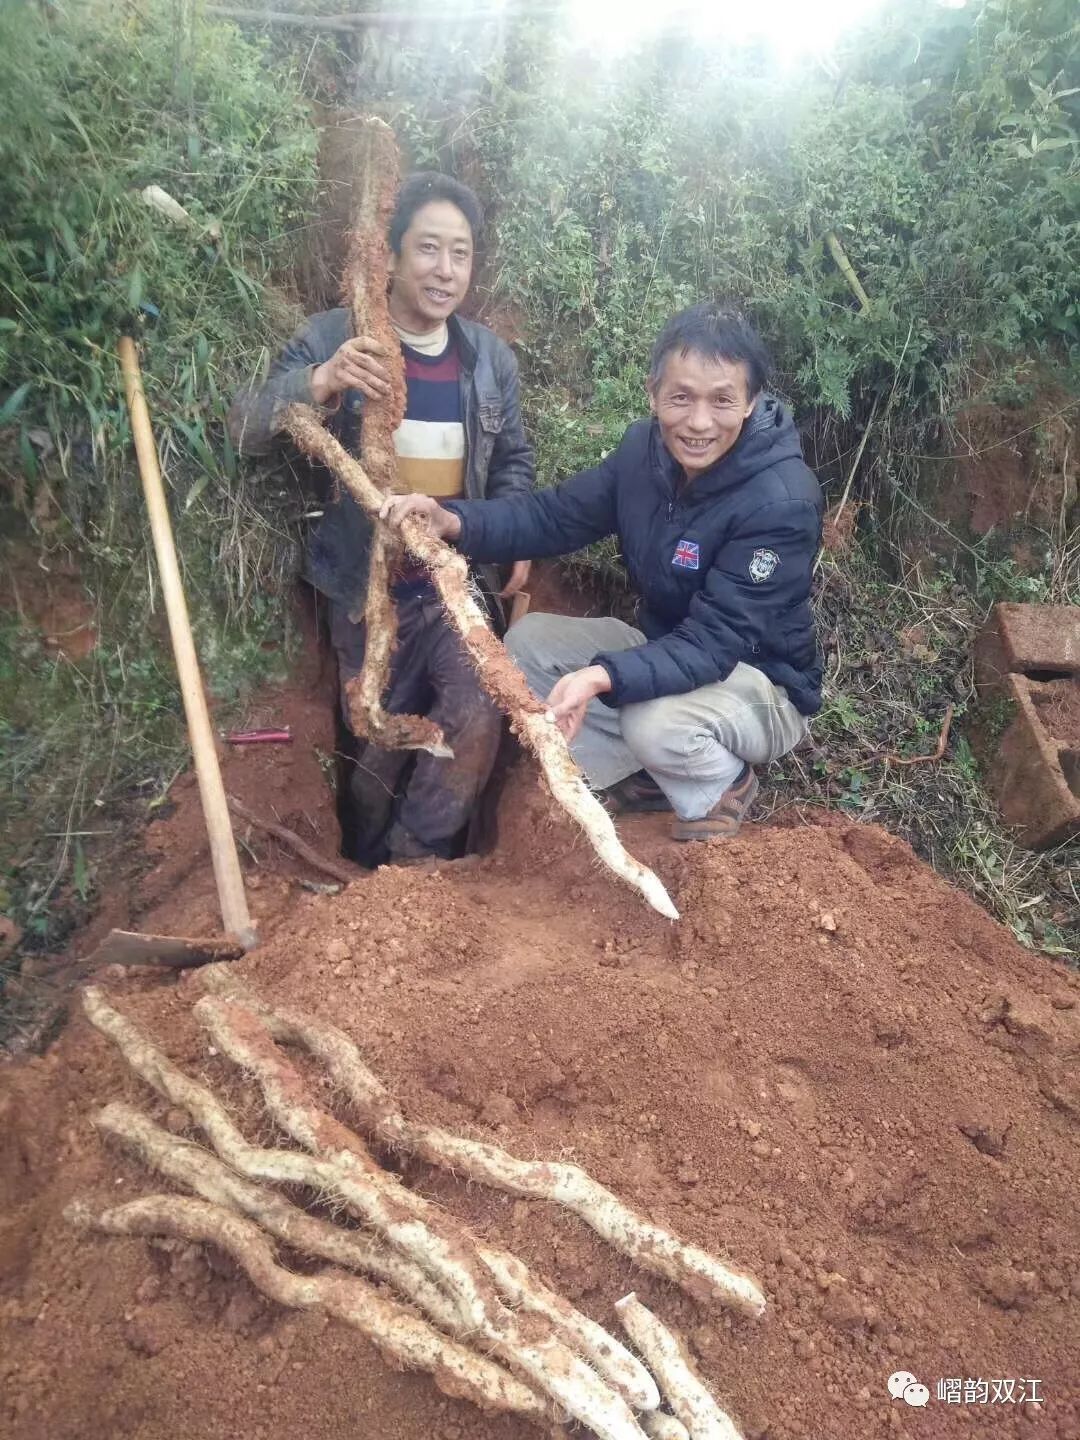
{"x": 97, "y": 103}
{"x": 934, "y": 157}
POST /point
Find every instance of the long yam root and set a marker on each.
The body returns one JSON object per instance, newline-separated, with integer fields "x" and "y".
{"x": 532, "y": 1348}
{"x": 464, "y": 1286}
{"x": 612, "y": 1362}
{"x": 367, "y": 271}
{"x": 439, "y": 1246}
{"x": 401, "y": 1336}
{"x": 512, "y": 1279}
{"x": 694, "y": 1407}
{"x": 499, "y": 676}
{"x": 652, "y": 1247}
{"x": 516, "y": 1285}
{"x": 365, "y": 279}
{"x": 196, "y": 1168}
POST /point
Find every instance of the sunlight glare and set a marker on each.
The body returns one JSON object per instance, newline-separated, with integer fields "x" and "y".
{"x": 790, "y": 29}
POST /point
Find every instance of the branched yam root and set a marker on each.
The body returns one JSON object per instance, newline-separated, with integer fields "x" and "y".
{"x": 652, "y": 1247}
{"x": 534, "y": 1349}
{"x": 198, "y": 1170}
{"x": 516, "y": 1286}
{"x": 368, "y": 720}
{"x": 402, "y": 1337}
{"x": 472, "y": 1316}
{"x": 366, "y": 271}
{"x": 498, "y": 673}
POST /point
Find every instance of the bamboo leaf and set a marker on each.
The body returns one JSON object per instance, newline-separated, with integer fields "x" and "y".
{"x": 13, "y": 404}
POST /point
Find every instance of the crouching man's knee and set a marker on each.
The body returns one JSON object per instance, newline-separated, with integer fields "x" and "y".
{"x": 655, "y": 736}
{"x": 529, "y": 640}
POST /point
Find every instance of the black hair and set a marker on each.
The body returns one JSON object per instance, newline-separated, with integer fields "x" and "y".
{"x": 716, "y": 332}
{"x": 423, "y": 186}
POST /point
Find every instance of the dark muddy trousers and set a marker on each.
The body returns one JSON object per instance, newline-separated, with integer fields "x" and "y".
{"x": 427, "y": 802}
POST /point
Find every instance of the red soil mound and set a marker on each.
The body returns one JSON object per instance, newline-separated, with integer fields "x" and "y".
{"x": 835, "y": 1069}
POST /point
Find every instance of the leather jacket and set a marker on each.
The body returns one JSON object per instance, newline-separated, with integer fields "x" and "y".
{"x": 498, "y": 458}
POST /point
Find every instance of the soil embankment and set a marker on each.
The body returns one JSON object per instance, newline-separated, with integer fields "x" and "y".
{"x": 835, "y": 1069}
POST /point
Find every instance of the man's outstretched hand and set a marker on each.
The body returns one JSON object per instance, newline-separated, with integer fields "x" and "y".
{"x": 447, "y": 526}
{"x": 443, "y": 524}
{"x": 571, "y": 695}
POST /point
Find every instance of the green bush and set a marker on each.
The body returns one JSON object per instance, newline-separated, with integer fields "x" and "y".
{"x": 941, "y": 149}
{"x": 96, "y": 103}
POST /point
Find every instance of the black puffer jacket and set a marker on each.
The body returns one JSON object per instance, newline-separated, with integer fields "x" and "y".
{"x": 722, "y": 564}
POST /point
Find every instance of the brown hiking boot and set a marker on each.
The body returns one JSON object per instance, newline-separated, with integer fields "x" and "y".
{"x": 726, "y": 816}
{"x": 637, "y": 793}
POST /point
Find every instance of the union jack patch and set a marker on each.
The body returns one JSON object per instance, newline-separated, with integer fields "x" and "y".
{"x": 687, "y": 555}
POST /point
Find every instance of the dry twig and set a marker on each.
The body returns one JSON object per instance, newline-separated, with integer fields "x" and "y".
{"x": 343, "y": 873}
{"x": 938, "y": 752}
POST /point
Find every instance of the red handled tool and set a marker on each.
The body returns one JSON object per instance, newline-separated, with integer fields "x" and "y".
{"x": 260, "y": 737}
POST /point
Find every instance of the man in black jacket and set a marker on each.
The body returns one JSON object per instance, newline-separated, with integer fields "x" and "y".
{"x": 719, "y": 520}
{"x": 462, "y": 436}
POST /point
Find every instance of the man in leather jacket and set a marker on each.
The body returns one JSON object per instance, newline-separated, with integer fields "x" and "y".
{"x": 462, "y": 437}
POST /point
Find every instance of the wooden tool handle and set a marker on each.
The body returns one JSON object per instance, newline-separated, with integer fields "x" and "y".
{"x": 230, "y": 883}
{"x": 519, "y": 606}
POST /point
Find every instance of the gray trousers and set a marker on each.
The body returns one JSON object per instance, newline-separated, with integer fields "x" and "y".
{"x": 693, "y": 745}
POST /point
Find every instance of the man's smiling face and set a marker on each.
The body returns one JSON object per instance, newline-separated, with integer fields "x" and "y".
{"x": 431, "y": 275}
{"x": 701, "y": 405}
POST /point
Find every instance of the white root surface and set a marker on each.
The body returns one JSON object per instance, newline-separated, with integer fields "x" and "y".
{"x": 650, "y": 1246}
{"x": 611, "y": 1360}
{"x": 659, "y": 1426}
{"x": 497, "y": 673}
{"x": 567, "y": 785}
{"x": 534, "y": 1350}
{"x": 513, "y": 1280}
{"x": 517, "y": 1286}
{"x": 196, "y": 1168}
{"x": 691, "y": 1402}
{"x": 401, "y": 1336}
{"x": 437, "y": 1244}
{"x": 493, "y": 1311}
